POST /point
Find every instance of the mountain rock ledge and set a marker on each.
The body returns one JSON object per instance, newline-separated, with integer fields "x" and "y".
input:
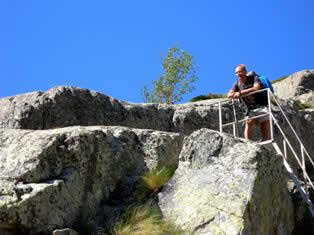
{"x": 72, "y": 158}
{"x": 63, "y": 177}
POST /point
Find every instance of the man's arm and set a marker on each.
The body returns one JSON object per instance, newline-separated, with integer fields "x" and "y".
{"x": 234, "y": 94}
{"x": 256, "y": 87}
{"x": 231, "y": 93}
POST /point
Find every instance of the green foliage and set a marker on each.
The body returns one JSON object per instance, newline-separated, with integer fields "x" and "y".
{"x": 207, "y": 97}
{"x": 154, "y": 179}
{"x": 279, "y": 79}
{"x": 141, "y": 220}
{"x": 179, "y": 74}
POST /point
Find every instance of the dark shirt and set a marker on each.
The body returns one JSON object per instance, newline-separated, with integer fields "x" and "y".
{"x": 252, "y": 101}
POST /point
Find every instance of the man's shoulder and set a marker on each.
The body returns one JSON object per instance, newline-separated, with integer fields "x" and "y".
{"x": 236, "y": 86}
{"x": 250, "y": 78}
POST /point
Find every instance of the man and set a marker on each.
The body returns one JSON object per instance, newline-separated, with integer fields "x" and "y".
{"x": 255, "y": 104}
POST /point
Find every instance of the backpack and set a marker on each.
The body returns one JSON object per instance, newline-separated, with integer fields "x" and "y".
{"x": 263, "y": 79}
{"x": 266, "y": 83}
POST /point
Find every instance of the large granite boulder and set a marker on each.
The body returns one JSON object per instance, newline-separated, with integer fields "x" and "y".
{"x": 203, "y": 114}
{"x": 227, "y": 186}
{"x": 307, "y": 100}
{"x": 70, "y": 106}
{"x": 295, "y": 85}
{"x": 58, "y": 178}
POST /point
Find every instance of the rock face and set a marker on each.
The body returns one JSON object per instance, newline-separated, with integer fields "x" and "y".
{"x": 67, "y": 154}
{"x": 69, "y": 106}
{"x": 58, "y": 178}
{"x": 227, "y": 186}
{"x": 295, "y": 85}
{"x": 307, "y": 98}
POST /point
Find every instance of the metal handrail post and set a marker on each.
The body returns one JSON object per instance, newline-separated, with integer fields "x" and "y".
{"x": 300, "y": 160}
{"x": 285, "y": 149}
{"x": 295, "y": 180}
{"x": 270, "y": 119}
{"x": 291, "y": 127}
{"x": 220, "y": 117}
{"x": 302, "y": 156}
{"x": 304, "y": 169}
{"x": 294, "y": 154}
{"x": 235, "y": 124}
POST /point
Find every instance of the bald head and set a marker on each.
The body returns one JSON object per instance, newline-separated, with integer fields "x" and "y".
{"x": 240, "y": 71}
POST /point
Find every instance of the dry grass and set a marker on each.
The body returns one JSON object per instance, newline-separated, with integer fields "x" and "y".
{"x": 154, "y": 179}
{"x": 279, "y": 79}
{"x": 144, "y": 221}
{"x": 147, "y": 220}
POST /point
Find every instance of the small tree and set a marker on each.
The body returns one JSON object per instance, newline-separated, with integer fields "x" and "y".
{"x": 179, "y": 74}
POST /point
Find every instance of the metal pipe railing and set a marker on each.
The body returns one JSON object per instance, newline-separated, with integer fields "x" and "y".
{"x": 246, "y": 119}
{"x": 291, "y": 127}
{"x": 295, "y": 180}
{"x": 235, "y": 125}
{"x": 269, "y": 96}
{"x": 304, "y": 153}
{"x": 272, "y": 119}
{"x": 220, "y": 118}
{"x": 295, "y": 155}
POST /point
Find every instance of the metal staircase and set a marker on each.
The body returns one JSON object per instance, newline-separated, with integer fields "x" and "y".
{"x": 286, "y": 151}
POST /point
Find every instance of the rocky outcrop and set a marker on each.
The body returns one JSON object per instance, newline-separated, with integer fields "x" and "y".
{"x": 70, "y": 106}
{"x": 227, "y": 186}
{"x": 59, "y": 178}
{"x": 295, "y": 85}
{"x": 66, "y": 177}
{"x": 307, "y": 100}
{"x": 53, "y": 177}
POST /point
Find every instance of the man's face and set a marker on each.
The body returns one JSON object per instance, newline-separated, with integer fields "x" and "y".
{"x": 240, "y": 72}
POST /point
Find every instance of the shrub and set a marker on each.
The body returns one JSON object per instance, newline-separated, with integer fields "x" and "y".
{"x": 207, "y": 97}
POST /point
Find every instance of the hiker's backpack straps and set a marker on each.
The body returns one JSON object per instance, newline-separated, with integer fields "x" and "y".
{"x": 266, "y": 83}
{"x": 263, "y": 80}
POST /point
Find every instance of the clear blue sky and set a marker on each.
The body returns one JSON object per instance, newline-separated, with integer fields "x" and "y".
{"x": 115, "y": 47}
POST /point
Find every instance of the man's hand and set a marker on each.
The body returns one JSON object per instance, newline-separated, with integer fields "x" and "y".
{"x": 236, "y": 95}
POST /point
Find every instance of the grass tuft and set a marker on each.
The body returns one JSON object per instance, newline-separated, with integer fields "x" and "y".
{"x": 154, "y": 179}
{"x": 143, "y": 220}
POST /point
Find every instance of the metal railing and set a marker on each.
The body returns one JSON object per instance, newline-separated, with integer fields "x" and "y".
{"x": 301, "y": 160}
{"x": 236, "y": 122}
